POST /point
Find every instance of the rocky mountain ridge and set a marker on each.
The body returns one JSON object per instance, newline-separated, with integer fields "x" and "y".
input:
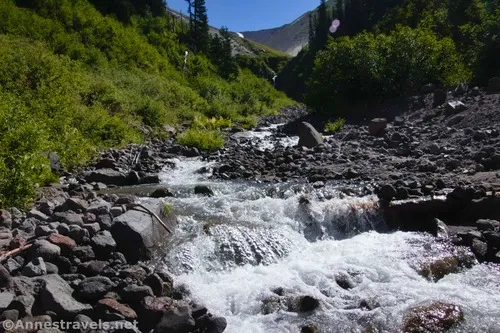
{"x": 289, "y": 38}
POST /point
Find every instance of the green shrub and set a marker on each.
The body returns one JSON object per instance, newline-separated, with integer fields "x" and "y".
{"x": 92, "y": 82}
{"x": 166, "y": 209}
{"x": 211, "y": 123}
{"x": 23, "y": 167}
{"x": 202, "y": 139}
{"x": 369, "y": 67}
{"x": 335, "y": 126}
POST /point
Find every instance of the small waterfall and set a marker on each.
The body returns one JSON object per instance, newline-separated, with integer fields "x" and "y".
{"x": 234, "y": 250}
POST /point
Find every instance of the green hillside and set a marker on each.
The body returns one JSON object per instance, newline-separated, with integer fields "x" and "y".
{"x": 386, "y": 49}
{"x": 74, "y": 81}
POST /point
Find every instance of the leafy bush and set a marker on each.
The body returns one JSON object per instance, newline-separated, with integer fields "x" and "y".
{"x": 211, "y": 123}
{"x": 202, "y": 139}
{"x": 22, "y": 164}
{"x": 369, "y": 67}
{"x": 335, "y": 126}
{"x": 92, "y": 82}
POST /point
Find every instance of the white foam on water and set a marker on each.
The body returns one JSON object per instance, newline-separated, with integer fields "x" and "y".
{"x": 233, "y": 249}
{"x": 265, "y": 139}
{"x": 386, "y": 279}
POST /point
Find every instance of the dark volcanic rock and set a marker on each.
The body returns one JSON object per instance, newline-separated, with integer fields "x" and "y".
{"x": 387, "y": 192}
{"x": 44, "y": 249}
{"x": 108, "y": 177}
{"x": 377, "y": 126}
{"x": 436, "y": 317}
{"x": 5, "y": 278}
{"x": 135, "y": 293}
{"x": 161, "y": 193}
{"x": 56, "y": 296}
{"x": 177, "y": 320}
{"x": 36, "y": 267}
{"x": 204, "y": 190}
{"x": 103, "y": 244}
{"x": 484, "y": 225}
{"x": 94, "y": 288}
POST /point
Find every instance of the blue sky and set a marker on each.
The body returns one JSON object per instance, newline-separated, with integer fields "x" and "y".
{"x": 245, "y": 15}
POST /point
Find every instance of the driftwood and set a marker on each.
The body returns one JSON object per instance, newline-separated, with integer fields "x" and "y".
{"x": 6, "y": 254}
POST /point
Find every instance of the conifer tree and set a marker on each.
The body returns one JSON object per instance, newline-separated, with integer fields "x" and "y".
{"x": 190, "y": 13}
{"x": 312, "y": 29}
{"x": 322, "y": 26}
{"x": 200, "y": 31}
{"x": 221, "y": 53}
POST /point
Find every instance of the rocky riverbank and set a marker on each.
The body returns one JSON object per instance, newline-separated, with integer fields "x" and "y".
{"x": 435, "y": 144}
{"x": 434, "y": 166}
{"x": 81, "y": 257}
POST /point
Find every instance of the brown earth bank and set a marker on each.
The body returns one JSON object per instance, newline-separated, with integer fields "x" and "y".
{"x": 433, "y": 164}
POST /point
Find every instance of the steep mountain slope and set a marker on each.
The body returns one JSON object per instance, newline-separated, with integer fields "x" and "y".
{"x": 240, "y": 45}
{"x": 289, "y": 38}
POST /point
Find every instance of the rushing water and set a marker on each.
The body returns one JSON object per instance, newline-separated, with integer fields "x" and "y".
{"x": 234, "y": 250}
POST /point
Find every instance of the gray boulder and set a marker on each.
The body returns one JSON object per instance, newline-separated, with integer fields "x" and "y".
{"x": 5, "y": 218}
{"x": 161, "y": 193}
{"x": 94, "y": 288}
{"x": 134, "y": 293}
{"x": 55, "y": 161}
{"x": 84, "y": 253}
{"x": 137, "y": 233}
{"x": 308, "y": 136}
{"x": 204, "y": 190}
{"x": 176, "y": 320}
{"x": 5, "y": 278}
{"x": 12, "y": 266}
{"x": 103, "y": 244}
{"x": 45, "y": 249}
{"x": 69, "y": 218}
{"x": 387, "y": 192}
{"x": 43, "y": 230}
{"x": 158, "y": 286}
{"x": 23, "y": 304}
{"x": 216, "y": 325}
{"x": 56, "y": 295}
{"x": 36, "y": 267}
{"x": 108, "y": 177}
{"x": 99, "y": 206}
{"x": 484, "y": 225}
{"x": 78, "y": 234}
{"x": 37, "y": 215}
{"x": 377, "y": 126}
{"x": 454, "y": 107}
{"x": 12, "y": 315}
{"x": 74, "y": 204}
{"x": 5, "y": 300}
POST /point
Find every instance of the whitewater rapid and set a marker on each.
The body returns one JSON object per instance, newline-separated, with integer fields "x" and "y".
{"x": 234, "y": 250}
